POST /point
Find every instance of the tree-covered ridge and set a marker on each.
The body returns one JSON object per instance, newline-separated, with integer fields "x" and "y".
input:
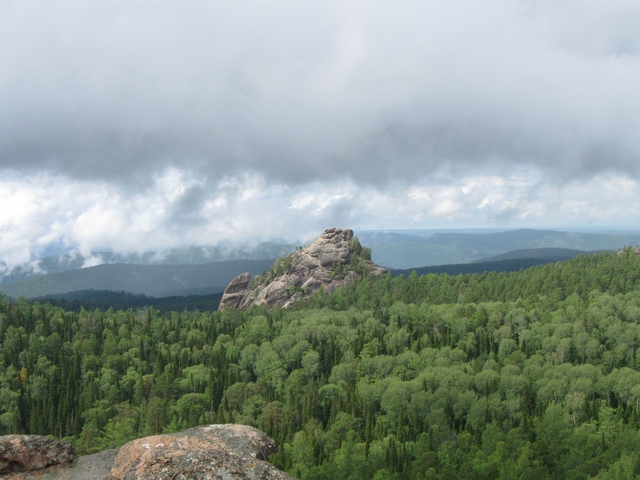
{"x": 533, "y": 374}
{"x": 106, "y": 299}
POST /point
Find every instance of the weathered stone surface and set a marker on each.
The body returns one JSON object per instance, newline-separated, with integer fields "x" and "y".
{"x": 234, "y": 291}
{"x": 300, "y": 274}
{"x": 209, "y": 452}
{"x": 23, "y": 453}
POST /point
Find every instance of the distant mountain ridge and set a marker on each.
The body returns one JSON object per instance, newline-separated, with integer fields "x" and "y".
{"x": 537, "y": 253}
{"x": 186, "y": 273}
{"x": 403, "y": 251}
{"x": 150, "y": 280}
{"x": 507, "y": 262}
{"x": 192, "y": 255}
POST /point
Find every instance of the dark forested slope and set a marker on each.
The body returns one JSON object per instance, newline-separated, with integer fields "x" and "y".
{"x": 150, "y": 280}
{"x": 531, "y": 374}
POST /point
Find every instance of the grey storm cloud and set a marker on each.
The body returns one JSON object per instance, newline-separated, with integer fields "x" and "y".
{"x": 302, "y": 91}
{"x": 186, "y": 210}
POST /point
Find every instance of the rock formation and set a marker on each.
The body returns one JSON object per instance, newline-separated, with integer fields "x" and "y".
{"x": 215, "y": 452}
{"x": 24, "y": 453}
{"x": 235, "y": 290}
{"x": 212, "y": 452}
{"x": 332, "y": 260}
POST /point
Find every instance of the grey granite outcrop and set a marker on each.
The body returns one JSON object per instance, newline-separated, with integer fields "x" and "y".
{"x": 332, "y": 260}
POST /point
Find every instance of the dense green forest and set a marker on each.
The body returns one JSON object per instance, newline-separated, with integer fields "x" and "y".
{"x": 514, "y": 375}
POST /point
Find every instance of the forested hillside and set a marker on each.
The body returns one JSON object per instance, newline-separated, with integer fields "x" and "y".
{"x": 150, "y": 280}
{"x": 531, "y": 374}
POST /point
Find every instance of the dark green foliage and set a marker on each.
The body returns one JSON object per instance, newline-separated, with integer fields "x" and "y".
{"x": 106, "y": 299}
{"x": 532, "y": 374}
{"x": 510, "y": 265}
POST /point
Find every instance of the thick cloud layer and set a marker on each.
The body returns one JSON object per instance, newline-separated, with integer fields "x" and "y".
{"x": 287, "y": 97}
{"x": 299, "y": 90}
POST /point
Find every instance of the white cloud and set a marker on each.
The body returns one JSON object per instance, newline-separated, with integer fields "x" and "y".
{"x": 92, "y": 261}
{"x": 132, "y": 125}
{"x": 91, "y": 216}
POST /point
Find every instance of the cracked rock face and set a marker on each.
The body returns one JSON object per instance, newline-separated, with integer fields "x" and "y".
{"x": 208, "y": 452}
{"x": 300, "y": 274}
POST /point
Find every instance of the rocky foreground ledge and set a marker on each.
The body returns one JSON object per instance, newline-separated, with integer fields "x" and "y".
{"x": 216, "y": 452}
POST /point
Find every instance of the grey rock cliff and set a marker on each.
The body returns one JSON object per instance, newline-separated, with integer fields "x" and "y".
{"x": 235, "y": 290}
{"x": 332, "y": 260}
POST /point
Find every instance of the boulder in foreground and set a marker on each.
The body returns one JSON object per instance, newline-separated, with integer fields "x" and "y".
{"x": 26, "y": 453}
{"x": 207, "y": 452}
{"x": 213, "y": 452}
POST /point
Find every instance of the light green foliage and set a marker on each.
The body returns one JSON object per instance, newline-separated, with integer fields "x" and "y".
{"x": 534, "y": 374}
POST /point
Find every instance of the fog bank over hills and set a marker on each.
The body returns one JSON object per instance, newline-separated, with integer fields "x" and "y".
{"x": 208, "y": 269}
{"x": 192, "y": 255}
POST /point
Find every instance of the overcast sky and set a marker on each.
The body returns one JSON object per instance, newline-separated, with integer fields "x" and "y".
{"x": 136, "y": 125}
